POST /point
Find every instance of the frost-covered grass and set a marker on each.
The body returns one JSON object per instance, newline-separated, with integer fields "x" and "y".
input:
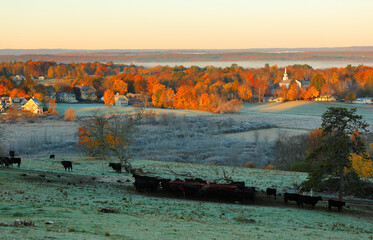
{"x": 73, "y": 200}
{"x": 85, "y": 109}
{"x": 306, "y": 108}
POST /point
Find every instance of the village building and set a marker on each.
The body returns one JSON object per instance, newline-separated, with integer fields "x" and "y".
{"x": 88, "y": 93}
{"x": 18, "y": 78}
{"x": 325, "y": 98}
{"x": 120, "y": 100}
{"x": 8, "y": 102}
{"x": 364, "y": 100}
{"x": 33, "y": 105}
{"x": 286, "y": 82}
{"x": 66, "y": 98}
{"x": 136, "y": 99}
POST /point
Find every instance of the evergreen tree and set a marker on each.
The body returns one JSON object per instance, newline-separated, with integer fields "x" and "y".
{"x": 342, "y": 131}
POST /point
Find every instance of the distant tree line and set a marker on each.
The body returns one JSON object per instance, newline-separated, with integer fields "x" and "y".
{"x": 207, "y": 89}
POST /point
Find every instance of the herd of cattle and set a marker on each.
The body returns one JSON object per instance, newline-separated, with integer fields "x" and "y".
{"x": 234, "y": 191}
{"x": 197, "y": 187}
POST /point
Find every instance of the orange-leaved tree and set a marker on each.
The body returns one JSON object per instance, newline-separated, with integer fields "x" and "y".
{"x": 109, "y": 97}
{"x": 311, "y": 93}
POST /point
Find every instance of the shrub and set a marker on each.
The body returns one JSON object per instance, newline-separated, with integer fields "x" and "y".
{"x": 70, "y": 114}
{"x": 268, "y": 167}
{"x": 300, "y": 167}
{"x": 249, "y": 165}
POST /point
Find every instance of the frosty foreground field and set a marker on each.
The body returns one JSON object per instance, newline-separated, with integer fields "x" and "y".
{"x": 73, "y": 200}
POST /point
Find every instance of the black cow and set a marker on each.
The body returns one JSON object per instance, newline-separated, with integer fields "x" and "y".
{"x": 16, "y": 161}
{"x": 192, "y": 190}
{"x": 249, "y": 193}
{"x": 239, "y": 185}
{"x": 68, "y": 165}
{"x": 271, "y": 191}
{"x": 52, "y": 156}
{"x": 176, "y": 187}
{"x": 309, "y": 200}
{"x": 334, "y": 203}
{"x": 11, "y": 154}
{"x": 224, "y": 192}
{"x": 292, "y": 197}
{"x": 165, "y": 184}
{"x": 146, "y": 183}
{"x": 116, "y": 166}
{"x": 6, "y": 161}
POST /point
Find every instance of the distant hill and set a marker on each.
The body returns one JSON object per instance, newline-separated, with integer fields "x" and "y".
{"x": 356, "y": 55}
{"x": 100, "y": 51}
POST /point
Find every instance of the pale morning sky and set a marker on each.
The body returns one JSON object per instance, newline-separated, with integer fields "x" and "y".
{"x": 185, "y": 24}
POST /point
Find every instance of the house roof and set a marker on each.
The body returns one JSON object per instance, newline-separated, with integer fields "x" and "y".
{"x": 36, "y": 101}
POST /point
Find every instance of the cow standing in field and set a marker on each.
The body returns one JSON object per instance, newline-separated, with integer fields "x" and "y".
{"x": 5, "y": 161}
{"x": 68, "y": 165}
{"x": 146, "y": 183}
{"x": 292, "y": 197}
{"x": 52, "y": 156}
{"x": 309, "y": 200}
{"x": 334, "y": 203}
{"x": 271, "y": 191}
{"x": 12, "y": 154}
{"x": 116, "y": 166}
{"x": 16, "y": 161}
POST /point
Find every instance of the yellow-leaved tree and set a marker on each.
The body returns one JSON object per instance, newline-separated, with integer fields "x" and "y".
{"x": 362, "y": 167}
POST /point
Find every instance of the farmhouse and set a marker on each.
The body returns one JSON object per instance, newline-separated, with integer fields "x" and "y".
{"x": 120, "y": 100}
{"x": 67, "y": 98}
{"x": 33, "y": 105}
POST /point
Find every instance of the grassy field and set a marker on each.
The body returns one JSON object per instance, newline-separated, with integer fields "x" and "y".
{"x": 84, "y": 109}
{"x": 72, "y": 201}
{"x": 306, "y": 108}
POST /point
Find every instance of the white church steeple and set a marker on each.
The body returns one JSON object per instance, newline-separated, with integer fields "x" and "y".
{"x": 285, "y": 78}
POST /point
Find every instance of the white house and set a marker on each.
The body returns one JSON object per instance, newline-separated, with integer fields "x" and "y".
{"x": 33, "y": 105}
{"x": 120, "y": 100}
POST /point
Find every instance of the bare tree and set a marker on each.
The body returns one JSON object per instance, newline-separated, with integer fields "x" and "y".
{"x": 113, "y": 133}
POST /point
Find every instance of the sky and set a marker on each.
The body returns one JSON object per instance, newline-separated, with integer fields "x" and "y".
{"x": 185, "y": 24}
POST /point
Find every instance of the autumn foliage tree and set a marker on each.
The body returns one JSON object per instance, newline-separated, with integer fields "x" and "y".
{"x": 293, "y": 93}
{"x": 109, "y": 97}
{"x": 311, "y": 93}
{"x": 110, "y": 134}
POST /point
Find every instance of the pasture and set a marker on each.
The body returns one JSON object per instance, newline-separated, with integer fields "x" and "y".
{"x": 73, "y": 202}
